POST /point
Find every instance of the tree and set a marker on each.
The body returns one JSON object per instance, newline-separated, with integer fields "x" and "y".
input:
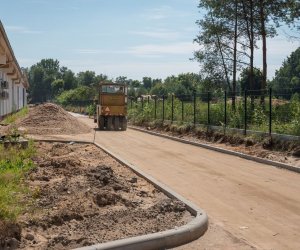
{"x": 257, "y": 81}
{"x": 147, "y": 82}
{"x": 122, "y": 79}
{"x": 41, "y": 75}
{"x": 69, "y": 78}
{"x": 86, "y": 78}
{"x": 132, "y": 92}
{"x": 222, "y": 43}
{"x": 159, "y": 89}
{"x": 273, "y": 14}
{"x": 287, "y": 77}
{"x": 135, "y": 83}
{"x": 50, "y": 66}
{"x": 141, "y": 91}
{"x": 73, "y": 95}
{"x": 246, "y": 22}
{"x": 57, "y": 87}
{"x": 36, "y": 89}
{"x": 156, "y": 81}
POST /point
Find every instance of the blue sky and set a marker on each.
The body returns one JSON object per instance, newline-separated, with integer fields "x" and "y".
{"x": 134, "y": 38}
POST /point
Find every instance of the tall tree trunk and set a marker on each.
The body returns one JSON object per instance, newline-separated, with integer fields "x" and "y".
{"x": 222, "y": 56}
{"x": 234, "y": 56}
{"x": 250, "y": 32}
{"x": 264, "y": 49}
{"x": 251, "y": 52}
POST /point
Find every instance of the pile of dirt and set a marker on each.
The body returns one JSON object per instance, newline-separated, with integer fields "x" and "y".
{"x": 51, "y": 119}
{"x": 84, "y": 197}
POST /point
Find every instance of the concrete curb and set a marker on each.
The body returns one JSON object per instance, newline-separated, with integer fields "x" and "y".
{"x": 161, "y": 240}
{"x": 221, "y": 150}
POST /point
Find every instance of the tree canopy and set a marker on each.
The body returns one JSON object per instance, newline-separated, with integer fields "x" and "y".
{"x": 288, "y": 76}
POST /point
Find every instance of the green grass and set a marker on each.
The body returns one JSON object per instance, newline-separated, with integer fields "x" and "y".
{"x": 14, "y": 117}
{"x": 14, "y": 164}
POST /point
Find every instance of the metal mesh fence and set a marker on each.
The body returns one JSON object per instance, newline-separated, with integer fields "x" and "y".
{"x": 268, "y": 111}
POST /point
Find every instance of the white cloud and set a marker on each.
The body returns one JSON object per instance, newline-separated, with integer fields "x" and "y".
{"x": 22, "y": 30}
{"x": 160, "y": 34}
{"x": 37, "y": 1}
{"x": 90, "y": 51}
{"x": 147, "y": 50}
{"x": 162, "y": 12}
{"x": 167, "y": 49}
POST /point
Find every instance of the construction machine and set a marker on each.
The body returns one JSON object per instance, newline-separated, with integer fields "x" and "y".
{"x": 111, "y": 111}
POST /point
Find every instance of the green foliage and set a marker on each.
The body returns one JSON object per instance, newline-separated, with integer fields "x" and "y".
{"x": 245, "y": 79}
{"x": 288, "y": 76}
{"x": 139, "y": 116}
{"x": 159, "y": 89}
{"x": 141, "y": 91}
{"x": 91, "y": 109}
{"x": 14, "y": 117}
{"x": 69, "y": 78}
{"x": 87, "y": 78}
{"x": 76, "y": 95}
{"x": 285, "y": 115}
{"x": 259, "y": 116}
{"x": 147, "y": 82}
{"x": 131, "y": 92}
{"x": 41, "y": 75}
{"x": 14, "y": 164}
{"x": 57, "y": 87}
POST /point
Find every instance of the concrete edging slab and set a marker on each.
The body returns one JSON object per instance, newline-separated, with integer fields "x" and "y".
{"x": 221, "y": 150}
{"x": 161, "y": 240}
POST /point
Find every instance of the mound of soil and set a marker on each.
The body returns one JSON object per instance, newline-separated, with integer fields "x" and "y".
{"x": 51, "y": 119}
{"x": 84, "y": 197}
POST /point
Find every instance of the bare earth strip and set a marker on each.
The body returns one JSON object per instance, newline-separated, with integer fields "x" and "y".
{"x": 250, "y": 205}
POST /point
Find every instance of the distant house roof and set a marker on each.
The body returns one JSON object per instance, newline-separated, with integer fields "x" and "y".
{"x": 8, "y": 60}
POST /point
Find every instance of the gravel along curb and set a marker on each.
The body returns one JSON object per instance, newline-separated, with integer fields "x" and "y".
{"x": 221, "y": 150}
{"x": 161, "y": 240}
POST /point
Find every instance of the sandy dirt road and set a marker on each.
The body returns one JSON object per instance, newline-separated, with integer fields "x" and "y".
{"x": 250, "y": 205}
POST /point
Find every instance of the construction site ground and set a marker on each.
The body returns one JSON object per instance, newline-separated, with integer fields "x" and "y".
{"x": 85, "y": 197}
{"x": 250, "y": 205}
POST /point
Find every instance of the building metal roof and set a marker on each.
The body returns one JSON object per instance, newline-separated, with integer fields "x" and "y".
{"x": 21, "y": 73}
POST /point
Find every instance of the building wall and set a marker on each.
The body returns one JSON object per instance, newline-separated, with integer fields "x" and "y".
{"x": 11, "y": 72}
{"x": 17, "y": 96}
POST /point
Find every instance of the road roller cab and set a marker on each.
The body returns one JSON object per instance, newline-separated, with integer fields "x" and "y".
{"x": 112, "y": 106}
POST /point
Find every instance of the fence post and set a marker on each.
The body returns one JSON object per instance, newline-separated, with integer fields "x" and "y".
{"x": 155, "y": 104}
{"x": 163, "y": 110}
{"x": 208, "y": 110}
{"x": 172, "y": 118}
{"x": 195, "y": 108}
{"x": 148, "y": 99}
{"x": 270, "y": 113}
{"x": 245, "y": 112}
{"x": 182, "y": 110}
{"x": 142, "y": 102}
{"x": 225, "y": 111}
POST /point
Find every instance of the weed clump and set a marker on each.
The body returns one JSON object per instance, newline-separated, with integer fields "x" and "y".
{"x": 15, "y": 162}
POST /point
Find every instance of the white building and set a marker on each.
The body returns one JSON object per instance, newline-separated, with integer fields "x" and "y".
{"x": 13, "y": 82}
